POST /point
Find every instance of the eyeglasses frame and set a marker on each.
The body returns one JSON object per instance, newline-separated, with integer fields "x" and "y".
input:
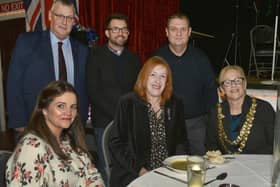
{"x": 124, "y": 30}
{"x": 233, "y": 81}
{"x": 61, "y": 17}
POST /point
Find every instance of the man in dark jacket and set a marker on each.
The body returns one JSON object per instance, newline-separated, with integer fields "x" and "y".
{"x": 193, "y": 78}
{"x": 35, "y": 63}
{"x": 111, "y": 72}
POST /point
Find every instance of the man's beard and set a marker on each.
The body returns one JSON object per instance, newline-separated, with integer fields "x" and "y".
{"x": 120, "y": 44}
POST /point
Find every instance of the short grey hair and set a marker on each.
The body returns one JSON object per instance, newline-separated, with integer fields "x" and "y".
{"x": 68, "y": 3}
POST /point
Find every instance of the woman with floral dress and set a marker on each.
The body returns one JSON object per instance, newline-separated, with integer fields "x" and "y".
{"x": 52, "y": 150}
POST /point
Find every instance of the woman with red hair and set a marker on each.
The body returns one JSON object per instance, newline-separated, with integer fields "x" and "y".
{"x": 149, "y": 125}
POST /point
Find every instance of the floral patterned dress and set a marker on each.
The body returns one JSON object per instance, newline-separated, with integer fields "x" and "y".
{"x": 34, "y": 163}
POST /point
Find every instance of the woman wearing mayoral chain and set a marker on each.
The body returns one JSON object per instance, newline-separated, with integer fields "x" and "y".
{"x": 241, "y": 123}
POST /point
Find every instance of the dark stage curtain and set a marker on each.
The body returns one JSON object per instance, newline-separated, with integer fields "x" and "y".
{"x": 147, "y": 20}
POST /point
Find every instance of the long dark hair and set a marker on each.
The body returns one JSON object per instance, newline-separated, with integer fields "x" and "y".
{"x": 37, "y": 124}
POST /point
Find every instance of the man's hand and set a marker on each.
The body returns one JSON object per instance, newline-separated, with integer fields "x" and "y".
{"x": 19, "y": 130}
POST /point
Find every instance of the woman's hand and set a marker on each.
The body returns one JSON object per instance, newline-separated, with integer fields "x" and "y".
{"x": 143, "y": 171}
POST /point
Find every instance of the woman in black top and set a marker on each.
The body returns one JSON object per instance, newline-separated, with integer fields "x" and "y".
{"x": 240, "y": 124}
{"x": 149, "y": 125}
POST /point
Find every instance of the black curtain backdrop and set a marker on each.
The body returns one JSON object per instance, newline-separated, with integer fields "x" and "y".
{"x": 218, "y": 18}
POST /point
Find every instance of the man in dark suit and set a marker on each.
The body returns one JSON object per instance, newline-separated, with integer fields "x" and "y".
{"x": 111, "y": 72}
{"x": 35, "y": 62}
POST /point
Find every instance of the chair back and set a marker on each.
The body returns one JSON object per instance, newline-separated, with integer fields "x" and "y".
{"x": 105, "y": 149}
{"x": 4, "y": 157}
{"x": 262, "y": 41}
{"x": 262, "y": 34}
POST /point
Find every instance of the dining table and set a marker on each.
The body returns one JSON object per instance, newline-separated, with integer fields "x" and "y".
{"x": 244, "y": 170}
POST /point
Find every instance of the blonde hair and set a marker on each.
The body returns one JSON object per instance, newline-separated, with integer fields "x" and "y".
{"x": 231, "y": 67}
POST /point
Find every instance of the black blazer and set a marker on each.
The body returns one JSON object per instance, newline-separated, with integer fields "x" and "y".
{"x": 260, "y": 140}
{"x": 109, "y": 77}
{"x": 130, "y": 142}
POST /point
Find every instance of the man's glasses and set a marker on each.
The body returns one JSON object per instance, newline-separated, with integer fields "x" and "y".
{"x": 237, "y": 81}
{"x": 118, "y": 30}
{"x": 61, "y": 18}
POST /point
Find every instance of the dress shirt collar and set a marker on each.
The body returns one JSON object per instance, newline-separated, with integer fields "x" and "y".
{"x": 116, "y": 52}
{"x": 55, "y": 40}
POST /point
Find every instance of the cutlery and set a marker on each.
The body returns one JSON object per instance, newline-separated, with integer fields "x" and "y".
{"x": 222, "y": 176}
{"x": 171, "y": 177}
{"x": 212, "y": 167}
{"x": 229, "y": 157}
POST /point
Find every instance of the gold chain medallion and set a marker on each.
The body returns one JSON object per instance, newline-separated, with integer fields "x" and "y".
{"x": 244, "y": 132}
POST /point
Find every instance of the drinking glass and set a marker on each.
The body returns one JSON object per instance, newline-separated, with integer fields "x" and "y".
{"x": 196, "y": 168}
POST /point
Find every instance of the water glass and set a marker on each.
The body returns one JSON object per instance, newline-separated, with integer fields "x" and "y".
{"x": 196, "y": 168}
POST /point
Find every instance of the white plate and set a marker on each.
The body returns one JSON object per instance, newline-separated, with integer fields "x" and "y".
{"x": 215, "y": 163}
{"x": 168, "y": 161}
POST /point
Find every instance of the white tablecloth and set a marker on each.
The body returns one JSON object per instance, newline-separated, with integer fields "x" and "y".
{"x": 244, "y": 170}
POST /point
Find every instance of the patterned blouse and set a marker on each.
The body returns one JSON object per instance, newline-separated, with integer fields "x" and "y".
{"x": 158, "y": 138}
{"x": 34, "y": 163}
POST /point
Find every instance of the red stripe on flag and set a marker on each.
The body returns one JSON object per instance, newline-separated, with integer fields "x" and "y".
{"x": 47, "y": 7}
{"x": 33, "y": 19}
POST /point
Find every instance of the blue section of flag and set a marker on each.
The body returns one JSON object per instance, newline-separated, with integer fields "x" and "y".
{"x": 26, "y": 3}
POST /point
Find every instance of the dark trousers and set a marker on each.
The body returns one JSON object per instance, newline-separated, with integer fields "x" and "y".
{"x": 196, "y": 131}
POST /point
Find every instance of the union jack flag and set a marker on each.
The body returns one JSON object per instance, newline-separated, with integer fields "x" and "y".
{"x": 37, "y": 11}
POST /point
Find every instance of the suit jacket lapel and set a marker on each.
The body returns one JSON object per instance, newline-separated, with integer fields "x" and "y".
{"x": 74, "y": 48}
{"x": 45, "y": 51}
{"x": 142, "y": 131}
